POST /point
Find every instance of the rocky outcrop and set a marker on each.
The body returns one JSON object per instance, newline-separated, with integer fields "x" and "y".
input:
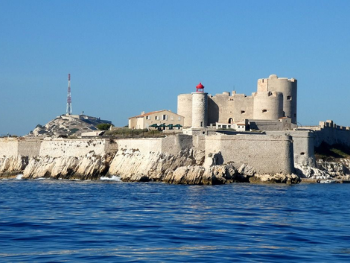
{"x": 90, "y": 166}
{"x": 13, "y": 165}
{"x": 66, "y": 125}
{"x": 337, "y": 168}
{"x": 187, "y": 167}
{"x": 132, "y": 165}
{"x": 273, "y": 179}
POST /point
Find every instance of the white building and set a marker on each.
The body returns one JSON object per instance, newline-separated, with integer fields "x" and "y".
{"x": 151, "y": 119}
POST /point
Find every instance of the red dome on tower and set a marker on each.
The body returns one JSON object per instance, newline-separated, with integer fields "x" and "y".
{"x": 200, "y": 87}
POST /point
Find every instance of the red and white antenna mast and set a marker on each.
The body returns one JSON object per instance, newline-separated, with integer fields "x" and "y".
{"x": 69, "y": 99}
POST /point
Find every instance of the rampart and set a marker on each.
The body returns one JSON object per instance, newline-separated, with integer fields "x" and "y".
{"x": 303, "y": 146}
{"x": 331, "y": 133}
{"x": 57, "y": 147}
{"x": 268, "y": 154}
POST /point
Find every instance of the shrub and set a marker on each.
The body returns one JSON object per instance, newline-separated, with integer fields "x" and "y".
{"x": 103, "y": 126}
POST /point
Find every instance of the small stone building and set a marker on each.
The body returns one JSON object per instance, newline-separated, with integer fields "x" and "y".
{"x": 150, "y": 119}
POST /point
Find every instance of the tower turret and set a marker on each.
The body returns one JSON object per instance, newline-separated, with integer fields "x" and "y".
{"x": 288, "y": 87}
{"x": 199, "y": 107}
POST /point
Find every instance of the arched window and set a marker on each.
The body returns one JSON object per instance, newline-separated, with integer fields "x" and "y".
{"x": 230, "y": 120}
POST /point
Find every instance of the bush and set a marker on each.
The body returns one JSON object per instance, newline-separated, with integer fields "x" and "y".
{"x": 103, "y": 126}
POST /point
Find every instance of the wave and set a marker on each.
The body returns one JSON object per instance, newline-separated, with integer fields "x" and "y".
{"x": 19, "y": 176}
{"x": 113, "y": 178}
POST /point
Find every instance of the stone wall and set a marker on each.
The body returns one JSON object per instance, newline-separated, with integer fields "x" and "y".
{"x": 144, "y": 145}
{"x": 71, "y": 147}
{"x": 282, "y": 124}
{"x": 29, "y": 146}
{"x": 331, "y": 133}
{"x": 225, "y": 108}
{"x": 270, "y": 154}
{"x": 303, "y": 146}
{"x": 8, "y": 147}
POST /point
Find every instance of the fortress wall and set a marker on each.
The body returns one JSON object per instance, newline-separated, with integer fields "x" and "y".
{"x": 303, "y": 146}
{"x": 199, "y": 142}
{"x": 268, "y": 154}
{"x": 29, "y": 146}
{"x": 111, "y": 146}
{"x": 331, "y": 136}
{"x": 175, "y": 144}
{"x": 223, "y": 107}
{"x": 143, "y": 145}
{"x": 184, "y": 108}
{"x": 72, "y": 147}
{"x": 266, "y": 125}
{"x": 8, "y": 147}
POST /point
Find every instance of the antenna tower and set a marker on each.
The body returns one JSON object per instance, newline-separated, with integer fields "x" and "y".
{"x": 69, "y": 99}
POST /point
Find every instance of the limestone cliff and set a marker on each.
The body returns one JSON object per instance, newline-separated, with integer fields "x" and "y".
{"x": 187, "y": 167}
{"x": 12, "y": 165}
{"x": 335, "y": 169}
{"x": 90, "y": 166}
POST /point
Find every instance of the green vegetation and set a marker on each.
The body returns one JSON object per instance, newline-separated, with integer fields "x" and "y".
{"x": 72, "y": 131}
{"x": 326, "y": 151}
{"x": 130, "y": 133}
{"x": 103, "y": 126}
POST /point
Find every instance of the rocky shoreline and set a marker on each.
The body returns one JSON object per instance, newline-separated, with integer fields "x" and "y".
{"x": 187, "y": 167}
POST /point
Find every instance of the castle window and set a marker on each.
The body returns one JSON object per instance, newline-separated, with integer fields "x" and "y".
{"x": 164, "y": 117}
{"x": 242, "y": 111}
{"x": 302, "y": 153}
{"x": 289, "y": 97}
{"x": 148, "y": 117}
{"x": 156, "y": 117}
{"x": 201, "y": 124}
{"x": 264, "y": 110}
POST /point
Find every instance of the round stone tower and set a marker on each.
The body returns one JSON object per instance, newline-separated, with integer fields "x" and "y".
{"x": 268, "y": 105}
{"x": 184, "y": 108}
{"x": 199, "y": 107}
{"x": 288, "y": 87}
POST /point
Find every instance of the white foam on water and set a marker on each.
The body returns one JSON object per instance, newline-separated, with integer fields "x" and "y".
{"x": 41, "y": 178}
{"x": 19, "y": 176}
{"x": 113, "y": 178}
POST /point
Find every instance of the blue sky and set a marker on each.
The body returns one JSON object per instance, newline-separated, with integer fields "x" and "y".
{"x": 125, "y": 57}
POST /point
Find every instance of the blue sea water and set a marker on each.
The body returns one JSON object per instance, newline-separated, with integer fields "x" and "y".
{"x": 89, "y": 221}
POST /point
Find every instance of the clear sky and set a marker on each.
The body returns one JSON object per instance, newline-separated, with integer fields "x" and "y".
{"x": 125, "y": 57}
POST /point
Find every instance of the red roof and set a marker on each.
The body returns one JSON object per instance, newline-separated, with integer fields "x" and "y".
{"x": 200, "y": 86}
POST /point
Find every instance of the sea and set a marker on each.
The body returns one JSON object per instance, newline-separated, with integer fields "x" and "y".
{"x": 112, "y": 221}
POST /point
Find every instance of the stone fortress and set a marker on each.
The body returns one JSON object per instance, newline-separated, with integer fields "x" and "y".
{"x": 275, "y": 99}
{"x": 271, "y": 145}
